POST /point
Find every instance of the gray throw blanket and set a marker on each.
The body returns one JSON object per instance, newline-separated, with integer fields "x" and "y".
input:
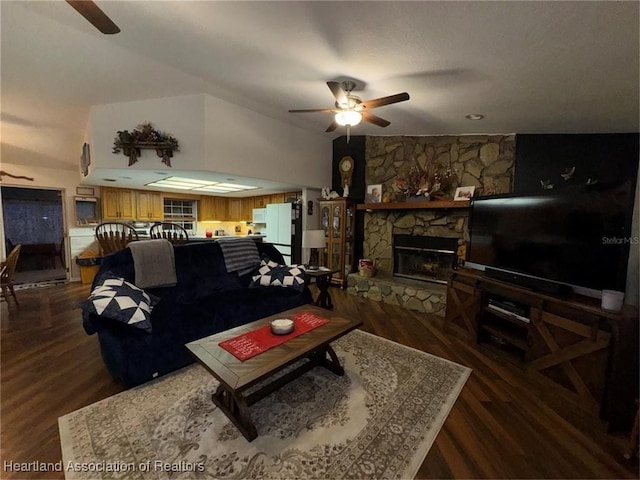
{"x": 154, "y": 263}
{"x": 240, "y": 254}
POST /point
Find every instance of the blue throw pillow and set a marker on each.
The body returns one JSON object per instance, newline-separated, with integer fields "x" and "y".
{"x": 119, "y": 300}
{"x": 271, "y": 274}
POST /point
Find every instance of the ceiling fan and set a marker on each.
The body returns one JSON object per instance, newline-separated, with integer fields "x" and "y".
{"x": 89, "y": 10}
{"x": 349, "y": 109}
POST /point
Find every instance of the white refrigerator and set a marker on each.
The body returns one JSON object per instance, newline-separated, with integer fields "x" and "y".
{"x": 284, "y": 231}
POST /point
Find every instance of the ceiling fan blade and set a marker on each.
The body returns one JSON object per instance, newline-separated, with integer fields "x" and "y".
{"x": 312, "y": 110}
{"x": 89, "y": 10}
{"x": 379, "y": 102}
{"x": 369, "y": 117}
{"x": 332, "y": 127}
{"x": 339, "y": 93}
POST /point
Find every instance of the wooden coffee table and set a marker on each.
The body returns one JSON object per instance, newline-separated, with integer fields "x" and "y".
{"x": 236, "y": 377}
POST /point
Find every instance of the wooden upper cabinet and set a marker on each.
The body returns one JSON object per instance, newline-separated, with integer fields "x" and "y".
{"x": 277, "y": 198}
{"x": 247, "y": 209}
{"x": 213, "y": 208}
{"x": 150, "y": 206}
{"x": 118, "y": 204}
{"x": 295, "y": 195}
{"x": 261, "y": 201}
{"x": 235, "y": 212}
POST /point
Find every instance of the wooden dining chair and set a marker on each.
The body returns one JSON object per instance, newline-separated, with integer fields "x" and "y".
{"x": 173, "y": 232}
{"x": 7, "y": 268}
{"x": 114, "y": 236}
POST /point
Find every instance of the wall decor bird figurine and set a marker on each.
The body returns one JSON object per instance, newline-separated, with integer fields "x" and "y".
{"x": 546, "y": 184}
{"x": 568, "y": 173}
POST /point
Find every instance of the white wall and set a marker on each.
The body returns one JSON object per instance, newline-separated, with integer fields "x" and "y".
{"x": 182, "y": 117}
{"x": 242, "y": 142}
{"x": 217, "y": 136}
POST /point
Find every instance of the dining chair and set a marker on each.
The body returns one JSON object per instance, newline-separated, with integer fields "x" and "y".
{"x": 173, "y": 232}
{"x": 114, "y": 236}
{"x": 7, "y": 268}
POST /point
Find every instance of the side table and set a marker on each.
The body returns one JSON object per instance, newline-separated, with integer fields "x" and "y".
{"x": 323, "y": 281}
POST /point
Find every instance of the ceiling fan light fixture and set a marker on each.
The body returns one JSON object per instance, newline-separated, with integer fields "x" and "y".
{"x": 348, "y": 117}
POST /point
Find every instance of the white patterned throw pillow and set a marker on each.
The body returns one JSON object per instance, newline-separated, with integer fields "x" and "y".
{"x": 119, "y": 300}
{"x": 271, "y": 274}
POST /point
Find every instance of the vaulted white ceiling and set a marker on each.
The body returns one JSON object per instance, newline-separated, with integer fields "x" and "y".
{"x": 529, "y": 67}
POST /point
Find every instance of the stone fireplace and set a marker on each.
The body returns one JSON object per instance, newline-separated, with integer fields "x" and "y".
{"x": 424, "y": 258}
{"x": 483, "y": 161}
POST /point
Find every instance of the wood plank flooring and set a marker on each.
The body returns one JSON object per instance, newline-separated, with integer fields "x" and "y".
{"x": 499, "y": 428}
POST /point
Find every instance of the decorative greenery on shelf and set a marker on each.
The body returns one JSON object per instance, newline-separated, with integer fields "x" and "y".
{"x": 144, "y": 136}
{"x": 426, "y": 182}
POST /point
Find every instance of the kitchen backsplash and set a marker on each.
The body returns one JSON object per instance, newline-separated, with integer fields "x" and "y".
{"x": 229, "y": 228}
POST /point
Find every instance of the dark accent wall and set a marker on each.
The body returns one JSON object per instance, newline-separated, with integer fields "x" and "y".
{"x": 356, "y": 150}
{"x": 610, "y": 158}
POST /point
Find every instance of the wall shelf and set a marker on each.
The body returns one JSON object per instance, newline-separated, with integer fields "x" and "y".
{"x": 432, "y": 205}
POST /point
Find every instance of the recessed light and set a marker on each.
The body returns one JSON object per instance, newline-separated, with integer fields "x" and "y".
{"x": 231, "y": 179}
{"x": 126, "y": 178}
{"x": 109, "y": 180}
{"x": 474, "y": 116}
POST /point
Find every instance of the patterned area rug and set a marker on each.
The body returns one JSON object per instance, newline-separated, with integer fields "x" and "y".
{"x": 377, "y": 421}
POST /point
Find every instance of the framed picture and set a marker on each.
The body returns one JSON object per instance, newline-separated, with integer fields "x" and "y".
{"x": 464, "y": 193}
{"x": 374, "y": 193}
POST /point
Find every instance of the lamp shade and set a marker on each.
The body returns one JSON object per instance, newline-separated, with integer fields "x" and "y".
{"x": 348, "y": 117}
{"x": 313, "y": 239}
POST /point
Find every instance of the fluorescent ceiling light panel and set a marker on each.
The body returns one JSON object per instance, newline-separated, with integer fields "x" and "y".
{"x": 199, "y": 185}
{"x": 237, "y": 187}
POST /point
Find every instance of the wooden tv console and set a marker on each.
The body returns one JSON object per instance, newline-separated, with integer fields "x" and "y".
{"x": 571, "y": 343}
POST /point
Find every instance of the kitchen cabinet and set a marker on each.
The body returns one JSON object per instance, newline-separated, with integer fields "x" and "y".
{"x": 212, "y": 208}
{"x": 234, "y": 209}
{"x": 277, "y": 198}
{"x": 247, "y": 209}
{"x": 261, "y": 201}
{"x": 118, "y": 204}
{"x": 296, "y": 195}
{"x": 338, "y": 223}
{"x": 150, "y": 206}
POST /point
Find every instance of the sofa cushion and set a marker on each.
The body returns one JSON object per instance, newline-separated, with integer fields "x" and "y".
{"x": 271, "y": 274}
{"x": 119, "y": 300}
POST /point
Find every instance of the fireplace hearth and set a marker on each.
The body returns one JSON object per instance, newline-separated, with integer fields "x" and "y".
{"x": 425, "y": 258}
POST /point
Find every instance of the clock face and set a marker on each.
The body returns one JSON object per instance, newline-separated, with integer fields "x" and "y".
{"x": 346, "y": 164}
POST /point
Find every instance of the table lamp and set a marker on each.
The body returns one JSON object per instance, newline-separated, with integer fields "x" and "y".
{"x": 313, "y": 239}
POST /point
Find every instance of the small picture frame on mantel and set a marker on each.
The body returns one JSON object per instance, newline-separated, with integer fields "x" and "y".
{"x": 374, "y": 193}
{"x": 464, "y": 193}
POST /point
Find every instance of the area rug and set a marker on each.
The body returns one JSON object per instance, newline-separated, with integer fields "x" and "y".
{"x": 377, "y": 421}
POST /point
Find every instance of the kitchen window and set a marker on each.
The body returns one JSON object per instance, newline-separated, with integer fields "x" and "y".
{"x": 181, "y": 212}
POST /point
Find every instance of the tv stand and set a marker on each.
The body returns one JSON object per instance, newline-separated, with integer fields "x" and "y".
{"x": 568, "y": 343}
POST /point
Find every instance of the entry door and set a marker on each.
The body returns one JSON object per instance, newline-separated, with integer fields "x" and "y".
{"x": 34, "y": 218}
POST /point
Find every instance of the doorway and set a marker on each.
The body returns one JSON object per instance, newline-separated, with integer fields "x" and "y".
{"x": 34, "y": 218}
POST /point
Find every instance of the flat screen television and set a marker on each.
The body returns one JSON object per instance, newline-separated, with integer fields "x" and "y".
{"x": 576, "y": 237}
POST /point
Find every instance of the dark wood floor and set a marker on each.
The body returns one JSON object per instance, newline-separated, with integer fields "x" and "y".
{"x": 498, "y": 428}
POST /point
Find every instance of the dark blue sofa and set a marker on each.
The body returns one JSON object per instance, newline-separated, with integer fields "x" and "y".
{"x": 205, "y": 300}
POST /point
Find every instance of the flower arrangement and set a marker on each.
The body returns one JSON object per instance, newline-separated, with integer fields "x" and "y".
{"x": 145, "y": 136}
{"x": 426, "y": 182}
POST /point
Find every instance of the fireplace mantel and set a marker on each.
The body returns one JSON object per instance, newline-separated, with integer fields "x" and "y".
{"x": 432, "y": 205}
